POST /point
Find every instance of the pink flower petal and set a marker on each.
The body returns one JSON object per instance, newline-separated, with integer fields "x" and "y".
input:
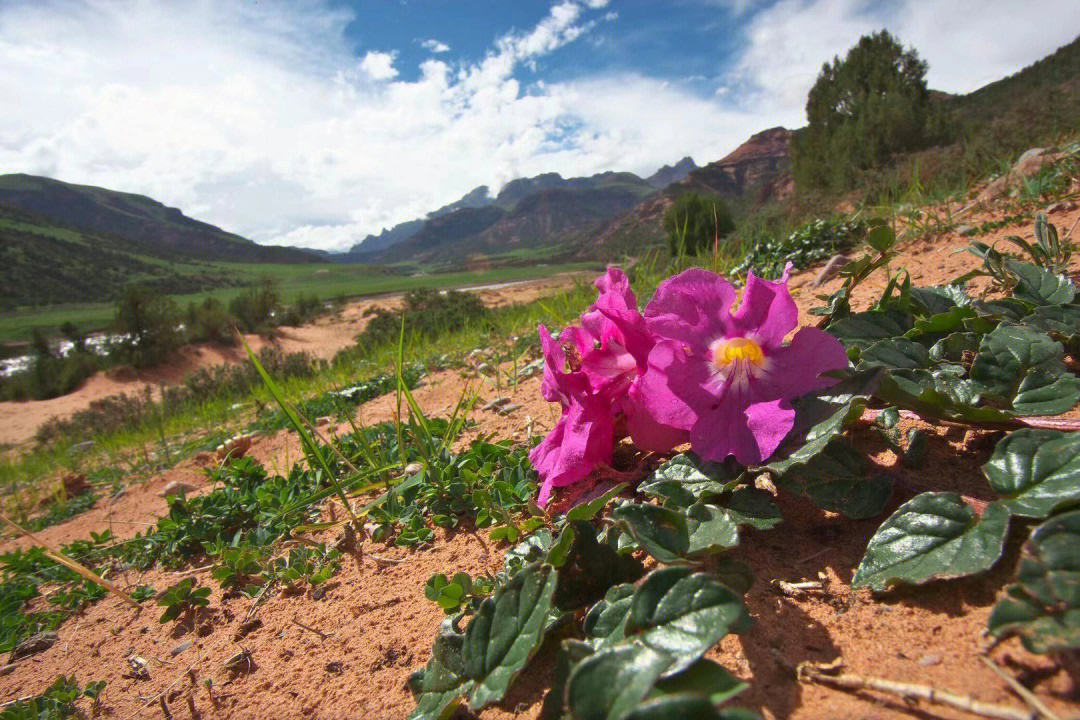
{"x": 692, "y": 307}
{"x": 795, "y": 369}
{"x": 769, "y": 423}
{"x": 583, "y": 438}
{"x": 767, "y": 313}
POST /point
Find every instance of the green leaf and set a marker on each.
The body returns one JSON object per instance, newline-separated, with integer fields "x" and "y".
{"x": 865, "y": 328}
{"x": 440, "y": 686}
{"x": 932, "y": 536}
{"x": 611, "y": 683}
{"x": 734, "y": 574}
{"x": 753, "y": 508}
{"x": 881, "y": 238}
{"x": 591, "y": 568}
{"x": 817, "y": 421}
{"x": 507, "y": 631}
{"x": 571, "y": 652}
{"x": 686, "y": 478}
{"x": 682, "y": 614}
{"x": 1037, "y": 471}
{"x": 896, "y": 352}
{"x": 855, "y": 498}
{"x": 605, "y": 623}
{"x": 1039, "y": 286}
{"x": 945, "y": 322}
{"x": 953, "y": 347}
{"x": 1024, "y": 368}
{"x": 587, "y": 510}
{"x": 941, "y": 393}
{"x": 1043, "y": 606}
{"x": 704, "y": 678}
{"x": 661, "y": 532}
{"x": 711, "y": 529}
{"x": 1062, "y": 322}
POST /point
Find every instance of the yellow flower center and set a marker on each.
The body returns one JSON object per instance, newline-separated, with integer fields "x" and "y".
{"x": 728, "y": 352}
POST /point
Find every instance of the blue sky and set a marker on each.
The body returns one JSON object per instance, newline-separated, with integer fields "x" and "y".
{"x": 315, "y": 123}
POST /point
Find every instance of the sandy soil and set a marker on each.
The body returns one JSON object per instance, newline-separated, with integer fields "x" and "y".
{"x": 323, "y": 339}
{"x": 376, "y": 626}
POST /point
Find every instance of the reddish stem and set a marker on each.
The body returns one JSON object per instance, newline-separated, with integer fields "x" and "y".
{"x": 1043, "y": 423}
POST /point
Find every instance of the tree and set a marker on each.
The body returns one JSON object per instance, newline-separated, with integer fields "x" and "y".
{"x": 694, "y": 222}
{"x": 861, "y": 111}
{"x": 147, "y": 321}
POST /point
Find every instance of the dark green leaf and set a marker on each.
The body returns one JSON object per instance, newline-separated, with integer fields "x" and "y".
{"x": 817, "y": 421}
{"x": 441, "y": 685}
{"x": 932, "y": 536}
{"x": 704, "y": 678}
{"x": 711, "y": 529}
{"x": 865, "y": 328}
{"x": 506, "y": 631}
{"x": 1037, "y": 471}
{"x": 605, "y": 623}
{"x": 682, "y": 614}
{"x": 734, "y": 574}
{"x": 952, "y": 347}
{"x": 945, "y": 322}
{"x": 881, "y": 238}
{"x": 591, "y": 568}
{"x": 1062, "y": 322}
{"x": 941, "y": 393}
{"x": 1024, "y": 367}
{"x": 1039, "y": 286}
{"x": 661, "y": 532}
{"x": 855, "y": 498}
{"x": 587, "y": 510}
{"x": 896, "y": 352}
{"x": 686, "y": 478}
{"x": 754, "y": 508}
{"x": 610, "y": 684}
{"x": 1043, "y": 606}
{"x": 571, "y": 652}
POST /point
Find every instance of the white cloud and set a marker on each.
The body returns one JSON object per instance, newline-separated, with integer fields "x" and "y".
{"x": 435, "y": 46}
{"x": 262, "y": 119}
{"x": 379, "y": 65}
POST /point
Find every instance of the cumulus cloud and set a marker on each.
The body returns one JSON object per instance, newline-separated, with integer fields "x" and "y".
{"x": 263, "y": 119}
{"x": 434, "y": 45}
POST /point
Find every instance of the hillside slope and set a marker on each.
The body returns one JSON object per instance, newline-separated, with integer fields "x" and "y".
{"x": 124, "y": 222}
{"x": 756, "y": 172}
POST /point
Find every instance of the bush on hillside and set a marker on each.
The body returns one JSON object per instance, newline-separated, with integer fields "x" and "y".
{"x": 427, "y": 313}
{"x": 863, "y": 110}
{"x": 209, "y": 321}
{"x": 256, "y": 307}
{"x": 694, "y": 222}
{"x": 148, "y": 323}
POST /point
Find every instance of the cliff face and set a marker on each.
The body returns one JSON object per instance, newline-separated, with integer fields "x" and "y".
{"x": 757, "y": 171}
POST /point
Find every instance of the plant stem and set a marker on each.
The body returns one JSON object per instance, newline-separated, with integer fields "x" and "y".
{"x": 1042, "y": 423}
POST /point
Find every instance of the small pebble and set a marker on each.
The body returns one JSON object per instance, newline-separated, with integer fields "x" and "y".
{"x": 930, "y": 659}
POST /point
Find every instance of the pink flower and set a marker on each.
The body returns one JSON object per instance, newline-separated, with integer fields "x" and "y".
{"x": 725, "y": 377}
{"x": 591, "y": 372}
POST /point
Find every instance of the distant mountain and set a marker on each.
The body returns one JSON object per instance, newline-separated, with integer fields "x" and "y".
{"x": 671, "y": 173}
{"x": 529, "y": 214}
{"x": 132, "y": 223}
{"x": 757, "y": 171}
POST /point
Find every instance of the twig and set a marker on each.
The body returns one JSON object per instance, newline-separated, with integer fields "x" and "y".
{"x": 320, "y": 633}
{"x": 258, "y": 599}
{"x": 1045, "y": 423}
{"x": 818, "y": 673}
{"x": 1069, "y": 234}
{"x": 16, "y": 701}
{"x": 797, "y": 589}
{"x": 192, "y": 571}
{"x": 1026, "y": 695}
{"x": 392, "y": 561}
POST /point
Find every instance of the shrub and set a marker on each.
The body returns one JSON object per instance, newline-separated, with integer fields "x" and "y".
{"x": 811, "y": 242}
{"x": 694, "y": 222}
{"x": 209, "y": 321}
{"x": 256, "y": 307}
{"x": 148, "y": 323}
{"x": 427, "y": 313}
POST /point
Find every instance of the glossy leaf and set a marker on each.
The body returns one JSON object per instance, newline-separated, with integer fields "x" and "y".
{"x": 896, "y": 352}
{"x": 588, "y": 510}
{"x": 605, "y": 623}
{"x": 932, "y": 536}
{"x": 752, "y": 507}
{"x": 661, "y": 532}
{"x": 686, "y": 478}
{"x": 682, "y": 614}
{"x": 855, "y": 498}
{"x": 1039, "y": 286}
{"x": 1037, "y": 471}
{"x": 865, "y": 328}
{"x": 711, "y": 529}
{"x": 611, "y": 683}
{"x": 1043, "y": 606}
{"x": 1024, "y": 368}
{"x": 704, "y": 678}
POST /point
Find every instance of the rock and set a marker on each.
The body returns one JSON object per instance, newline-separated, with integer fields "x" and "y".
{"x": 38, "y": 642}
{"x": 413, "y": 468}
{"x": 496, "y": 403}
{"x": 82, "y": 447}
{"x": 235, "y": 447}
{"x": 507, "y": 409}
{"x": 1027, "y": 165}
{"x": 246, "y": 628}
{"x": 930, "y": 659}
{"x": 236, "y": 406}
{"x": 1028, "y": 154}
{"x": 202, "y": 458}
{"x": 175, "y": 488}
{"x": 964, "y": 230}
{"x": 483, "y": 368}
{"x": 831, "y": 269}
{"x": 322, "y": 421}
{"x": 75, "y": 484}
{"x": 1056, "y": 207}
